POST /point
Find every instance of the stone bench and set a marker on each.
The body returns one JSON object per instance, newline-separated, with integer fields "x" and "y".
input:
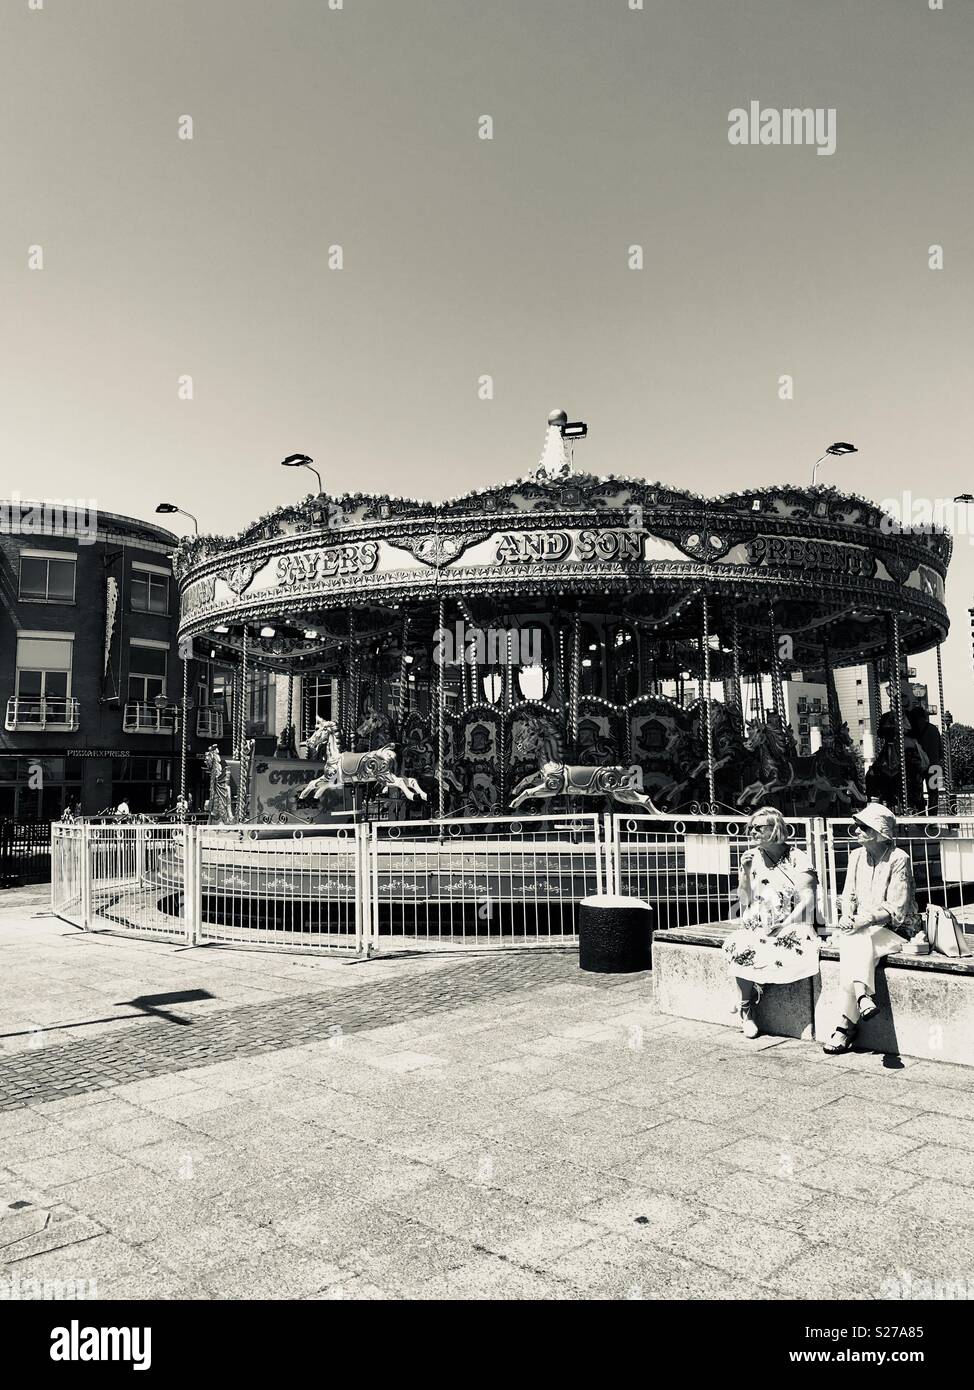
{"x": 927, "y": 1001}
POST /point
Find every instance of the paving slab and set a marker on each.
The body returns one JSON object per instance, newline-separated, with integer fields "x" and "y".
{"x": 478, "y": 1126}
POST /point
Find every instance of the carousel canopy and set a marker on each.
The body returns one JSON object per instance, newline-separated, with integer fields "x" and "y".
{"x": 832, "y": 565}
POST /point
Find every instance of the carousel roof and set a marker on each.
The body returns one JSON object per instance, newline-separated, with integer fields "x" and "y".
{"x": 831, "y": 562}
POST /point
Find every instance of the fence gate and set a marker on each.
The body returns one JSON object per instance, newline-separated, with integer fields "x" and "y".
{"x": 286, "y": 886}
{"x": 503, "y": 881}
{"x": 69, "y": 881}
{"x": 135, "y": 878}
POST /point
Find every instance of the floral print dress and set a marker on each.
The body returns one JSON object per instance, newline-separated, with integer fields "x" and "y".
{"x": 762, "y": 947}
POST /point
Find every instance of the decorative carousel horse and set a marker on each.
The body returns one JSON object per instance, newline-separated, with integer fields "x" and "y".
{"x": 773, "y": 749}
{"x": 375, "y": 731}
{"x": 354, "y": 769}
{"x": 688, "y": 751}
{"x": 883, "y": 778}
{"x": 221, "y": 793}
{"x": 562, "y": 779}
{"x": 833, "y": 785}
{"x": 535, "y": 741}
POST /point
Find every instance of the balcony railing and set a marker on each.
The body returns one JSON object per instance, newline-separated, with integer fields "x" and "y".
{"x": 209, "y": 722}
{"x": 140, "y": 718}
{"x": 61, "y": 715}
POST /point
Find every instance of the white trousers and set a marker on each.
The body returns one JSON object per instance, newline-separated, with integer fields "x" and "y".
{"x": 859, "y": 951}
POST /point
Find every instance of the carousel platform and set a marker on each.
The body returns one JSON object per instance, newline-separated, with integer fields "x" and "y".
{"x": 927, "y": 1002}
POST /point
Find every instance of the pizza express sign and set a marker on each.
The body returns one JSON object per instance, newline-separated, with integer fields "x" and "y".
{"x": 800, "y": 554}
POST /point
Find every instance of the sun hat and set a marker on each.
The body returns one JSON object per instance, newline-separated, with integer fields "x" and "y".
{"x": 879, "y": 818}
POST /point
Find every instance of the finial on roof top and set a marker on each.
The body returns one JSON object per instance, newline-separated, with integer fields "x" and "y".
{"x": 555, "y": 458}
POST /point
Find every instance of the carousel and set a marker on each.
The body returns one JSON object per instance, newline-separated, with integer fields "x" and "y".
{"x": 561, "y": 641}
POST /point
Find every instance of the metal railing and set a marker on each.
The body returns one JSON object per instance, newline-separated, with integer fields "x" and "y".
{"x": 688, "y": 866}
{"x": 69, "y": 878}
{"x": 506, "y": 880}
{"x": 61, "y": 715}
{"x": 141, "y": 718}
{"x": 25, "y": 852}
{"x": 209, "y": 722}
{"x": 498, "y": 881}
{"x": 941, "y": 849}
{"x": 284, "y": 886}
{"x": 135, "y": 878}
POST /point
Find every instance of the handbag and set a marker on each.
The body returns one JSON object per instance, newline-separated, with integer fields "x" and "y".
{"x": 944, "y": 932}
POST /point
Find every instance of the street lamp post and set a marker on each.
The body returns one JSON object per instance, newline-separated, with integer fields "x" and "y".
{"x": 303, "y": 461}
{"x": 169, "y": 508}
{"x": 837, "y": 449}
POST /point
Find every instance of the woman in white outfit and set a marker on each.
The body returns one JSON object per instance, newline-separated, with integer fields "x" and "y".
{"x": 775, "y": 940}
{"x": 877, "y": 912}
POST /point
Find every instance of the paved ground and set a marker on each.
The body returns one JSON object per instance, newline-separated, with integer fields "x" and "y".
{"x": 489, "y": 1126}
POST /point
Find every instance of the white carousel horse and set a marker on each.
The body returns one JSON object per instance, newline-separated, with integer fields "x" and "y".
{"x": 354, "y": 769}
{"x": 562, "y": 779}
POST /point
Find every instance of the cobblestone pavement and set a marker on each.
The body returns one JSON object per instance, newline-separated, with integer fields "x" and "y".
{"x": 492, "y": 1127}
{"x": 156, "y": 1048}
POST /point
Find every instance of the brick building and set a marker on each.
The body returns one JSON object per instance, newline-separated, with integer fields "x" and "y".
{"x": 90, "y": 675}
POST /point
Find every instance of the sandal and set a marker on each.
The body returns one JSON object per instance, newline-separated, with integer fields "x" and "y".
{"x": 848, "y": 1038}
{"x": 868, "y": 1012}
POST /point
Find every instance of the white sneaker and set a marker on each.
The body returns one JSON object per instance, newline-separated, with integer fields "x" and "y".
{"x": 748, "y": 1027}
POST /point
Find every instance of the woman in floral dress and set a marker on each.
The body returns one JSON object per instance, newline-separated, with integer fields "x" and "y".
{"x": 775, "y": 941}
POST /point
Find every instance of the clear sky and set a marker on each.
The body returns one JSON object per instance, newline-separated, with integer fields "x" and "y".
{"x": 464, "y": 257}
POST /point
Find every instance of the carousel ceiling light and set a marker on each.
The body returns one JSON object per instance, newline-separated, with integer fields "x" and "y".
{"x": 267, "y": 632}
{"x": 302, "y": 461}
{"x": 221, "y": 627}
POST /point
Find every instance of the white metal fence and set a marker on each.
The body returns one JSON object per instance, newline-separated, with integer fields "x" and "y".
{"x": 69, "y": 881}
{"x": 941, "y": 849}
{"x": 131, "y": 871}
{"x": 688, "y": 867}
{"x": 503, "y": 881}
{"x": 479, "y": 882}
{"x": 285, "y": 886}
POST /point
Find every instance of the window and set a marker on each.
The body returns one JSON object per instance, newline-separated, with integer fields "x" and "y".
{"x": 38, "y": 788}
{"x": 316, "y": 702}
{"x": 147, "y": 670}
{"x": 44, "y": 666}
{"x": 145, "y": 783}
{"x": 263, "y": 691}
{"x": 46, "y": 577}
{"x": 150, "y": 590}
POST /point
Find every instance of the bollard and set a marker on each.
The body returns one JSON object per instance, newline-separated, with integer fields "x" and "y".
{"x": 615, "y": 934}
